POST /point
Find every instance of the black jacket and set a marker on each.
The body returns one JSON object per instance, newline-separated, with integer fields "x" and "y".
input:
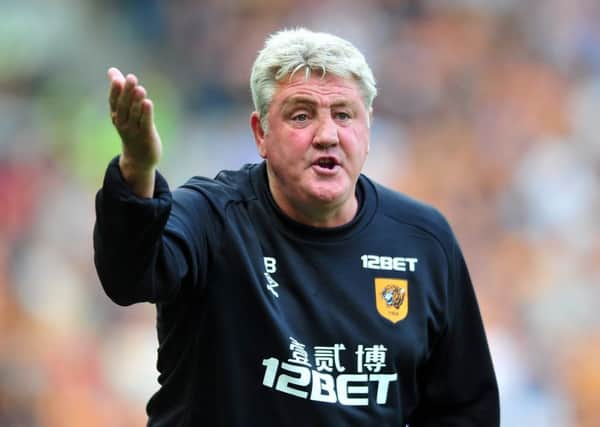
{"x": 264, "y": 321}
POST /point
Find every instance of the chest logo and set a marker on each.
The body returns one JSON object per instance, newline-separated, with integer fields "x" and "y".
{"x": 391, "y": 298}
{"x": 271, "y": 267}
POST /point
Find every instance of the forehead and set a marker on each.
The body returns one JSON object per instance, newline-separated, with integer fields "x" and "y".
{"x": 320, "y": 89}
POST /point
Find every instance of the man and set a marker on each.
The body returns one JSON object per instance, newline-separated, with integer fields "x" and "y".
{"x": 295, "y": 292}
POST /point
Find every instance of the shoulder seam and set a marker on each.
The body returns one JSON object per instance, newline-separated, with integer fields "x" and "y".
{"x": 422, "y": 228}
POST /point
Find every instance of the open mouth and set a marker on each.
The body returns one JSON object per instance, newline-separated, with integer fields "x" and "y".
{"x": 326, "y": 162}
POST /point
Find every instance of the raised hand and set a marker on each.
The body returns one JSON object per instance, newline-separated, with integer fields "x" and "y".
{"x": 131, "y": 112}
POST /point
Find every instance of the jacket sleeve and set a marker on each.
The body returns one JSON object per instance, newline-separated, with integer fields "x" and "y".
{"x": 142, "y": 252}
{"x": 458, "y": 384}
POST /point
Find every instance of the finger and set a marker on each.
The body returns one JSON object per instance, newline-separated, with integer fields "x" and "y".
{"x": 114, "y": 74}
{"x": 135, "y": 112}
{"x": 116, "y": 87}
{"x": 124, "y": 100}
{"x": 147, "y": 116}
{"x": 117, "y": 82}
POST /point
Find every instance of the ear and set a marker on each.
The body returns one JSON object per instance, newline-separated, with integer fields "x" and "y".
{"x": 259, "y": 134}
{"x": 370, "y": 124}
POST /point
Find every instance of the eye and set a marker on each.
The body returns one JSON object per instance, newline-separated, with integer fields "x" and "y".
{"x": 302, "y": 117}
{"x": 342, "y": 115}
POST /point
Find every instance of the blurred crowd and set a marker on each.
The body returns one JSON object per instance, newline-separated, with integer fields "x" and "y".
{"x": 487, "y": 109}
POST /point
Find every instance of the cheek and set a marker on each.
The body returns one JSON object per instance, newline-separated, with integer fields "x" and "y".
{"x": 357, "y": 140}
{"x": 295, "y": 142}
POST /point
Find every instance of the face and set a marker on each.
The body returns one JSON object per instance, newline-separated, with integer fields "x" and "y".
{"x": 315, "y": 147}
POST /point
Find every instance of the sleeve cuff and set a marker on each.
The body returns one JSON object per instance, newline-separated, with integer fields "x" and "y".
{"x": 117, "y": 188}
{"x": 119, "y": 208}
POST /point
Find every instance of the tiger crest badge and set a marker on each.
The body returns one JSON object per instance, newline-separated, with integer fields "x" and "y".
{"x": 391, "y": 298}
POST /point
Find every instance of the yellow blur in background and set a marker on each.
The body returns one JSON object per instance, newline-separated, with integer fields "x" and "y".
{"x": 489, "y": 110}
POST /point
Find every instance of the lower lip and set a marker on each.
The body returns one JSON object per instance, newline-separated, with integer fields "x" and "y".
{"x": 320, "y": 170}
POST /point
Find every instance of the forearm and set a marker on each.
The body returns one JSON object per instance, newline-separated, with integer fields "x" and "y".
{"x": 130, "y": 251}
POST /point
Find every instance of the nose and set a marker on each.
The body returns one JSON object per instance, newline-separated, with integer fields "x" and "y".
{"x": 326, "y": 134}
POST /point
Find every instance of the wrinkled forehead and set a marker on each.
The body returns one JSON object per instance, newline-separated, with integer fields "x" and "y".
{"x": 300, "y": 88}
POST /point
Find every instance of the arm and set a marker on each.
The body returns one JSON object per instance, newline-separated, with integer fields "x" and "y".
{"x": 130, "y": 253}
{"x": 138, "y": 257}
{"x": 458, "y": 384}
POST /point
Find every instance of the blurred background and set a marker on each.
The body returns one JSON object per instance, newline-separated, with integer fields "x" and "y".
{"x": 488, "y": 109}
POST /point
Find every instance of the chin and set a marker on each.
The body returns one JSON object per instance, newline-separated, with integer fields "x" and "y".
{"x": 329, "y": 196}
{"x": 329, "y": 192}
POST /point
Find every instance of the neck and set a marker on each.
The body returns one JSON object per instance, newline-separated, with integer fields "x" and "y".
{"x": 321, "y": 216}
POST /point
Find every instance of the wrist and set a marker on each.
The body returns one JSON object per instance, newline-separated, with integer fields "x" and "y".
{"x": 132, "y": 165}
{"x": 139, "y": 176}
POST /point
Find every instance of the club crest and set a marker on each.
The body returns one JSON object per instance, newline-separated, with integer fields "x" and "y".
{"x": 391, "y": 298}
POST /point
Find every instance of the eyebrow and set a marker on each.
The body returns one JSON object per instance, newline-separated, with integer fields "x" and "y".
{"x": 300, "y": 99}
{"x": 295, "y": 100}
